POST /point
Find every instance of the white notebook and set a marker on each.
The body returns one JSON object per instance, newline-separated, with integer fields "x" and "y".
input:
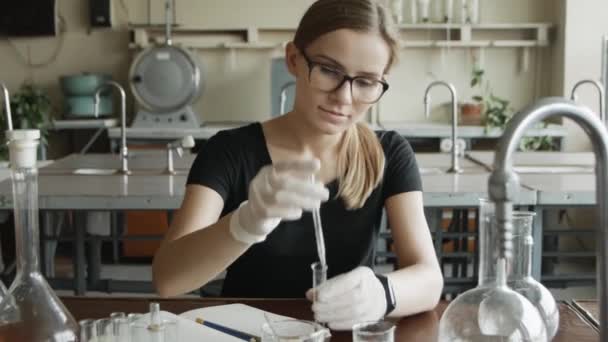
{"x": 237, "y": 316}
{"x": 241, "y": 317}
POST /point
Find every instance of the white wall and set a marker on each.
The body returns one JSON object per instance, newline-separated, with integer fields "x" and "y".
{"x": 241, "y": 91}
{"x": 585, "y": 24}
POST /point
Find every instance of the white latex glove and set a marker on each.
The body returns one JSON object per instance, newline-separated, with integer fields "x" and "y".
{"x": 278, "y": 192}
{"x": 348, "y": 299}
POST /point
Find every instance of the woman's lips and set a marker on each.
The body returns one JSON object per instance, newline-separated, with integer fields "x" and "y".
{"x": 334, "y": 113}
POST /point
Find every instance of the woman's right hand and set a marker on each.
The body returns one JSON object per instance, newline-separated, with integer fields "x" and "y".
{"x": 278, "y": 192}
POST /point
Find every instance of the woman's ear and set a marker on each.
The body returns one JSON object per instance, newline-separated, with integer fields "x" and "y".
{"x": 291, "y": 54}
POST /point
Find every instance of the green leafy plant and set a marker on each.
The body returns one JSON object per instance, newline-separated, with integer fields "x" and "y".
{"x": 497, "y": 113}
{"x": 30, "y": 108}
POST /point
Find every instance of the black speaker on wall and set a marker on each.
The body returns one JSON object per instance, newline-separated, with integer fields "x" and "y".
{"x": 28, "y": 18}
{"x": 101, "y": 13}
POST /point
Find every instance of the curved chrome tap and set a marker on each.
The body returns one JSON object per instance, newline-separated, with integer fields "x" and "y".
{"x": 7, "y": 107}
{"x": 504, "y": 183}
{"x": 601, "y": 94}
{"x": 124, "y": 152}
{"x": 427, "y": 100}
{"x": 283, "y": 96}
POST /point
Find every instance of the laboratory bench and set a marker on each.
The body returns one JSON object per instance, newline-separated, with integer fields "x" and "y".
{"x": 421, "y": 135}
{"x": 148, "y": 189}
{"x": 420, "y": 328}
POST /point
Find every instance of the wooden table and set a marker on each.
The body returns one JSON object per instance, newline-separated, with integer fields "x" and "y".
{"x": 589, "y": 309}
{"x": 419, "y": 328}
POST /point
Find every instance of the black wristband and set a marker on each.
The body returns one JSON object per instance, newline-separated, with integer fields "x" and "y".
{"x": 389, "y": 294}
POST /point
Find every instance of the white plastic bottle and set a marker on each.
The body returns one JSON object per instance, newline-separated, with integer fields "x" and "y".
{"x": 396, "y": 7}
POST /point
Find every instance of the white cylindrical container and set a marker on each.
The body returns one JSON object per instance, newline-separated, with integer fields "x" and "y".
{"x": 437, "y": 11}
{"x": 474, "y": 11}
{"x": 448, "y": 11}
{"x": 462, "y": 11}
{"x": 424, "y": 10}
{"x": 396, "y": 7}
{"x": 23, "y": 145}
{"x": 414, "y": 11}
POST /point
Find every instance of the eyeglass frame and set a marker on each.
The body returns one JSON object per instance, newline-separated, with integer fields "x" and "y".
{"x": 345, "y": 77}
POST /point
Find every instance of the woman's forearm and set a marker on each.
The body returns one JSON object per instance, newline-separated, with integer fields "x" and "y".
{"x": 187, "y": 263}
{"x": 417, "y": 288}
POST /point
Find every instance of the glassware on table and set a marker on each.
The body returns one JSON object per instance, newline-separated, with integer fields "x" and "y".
{"x": 294, "y": 330}
{"x": 491, "y": 311}
{"x": 167, "y": 331}
{"x": 88, "y": 330}
{"x": 155, "y": 329}
{"x": 105, "y": 330}
{"x": 31, "y": 307}
{"x": 377, "y": 331}
{"x": 520, "y": 279}
{"x": 122, "y": 329}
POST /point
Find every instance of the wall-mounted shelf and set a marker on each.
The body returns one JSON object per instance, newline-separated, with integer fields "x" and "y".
{"x": 493, "y": 35}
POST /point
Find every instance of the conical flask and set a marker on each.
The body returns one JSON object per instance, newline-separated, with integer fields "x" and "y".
{"x": 31, "y": 312}
{"x": 520, "y": 278}
{"x": 491, "y": 311}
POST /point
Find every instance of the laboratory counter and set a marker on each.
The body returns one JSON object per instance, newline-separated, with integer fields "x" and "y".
{"x": 419, "y": 328}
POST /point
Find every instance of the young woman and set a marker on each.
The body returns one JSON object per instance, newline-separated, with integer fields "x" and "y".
{"x": 249, "y": 195}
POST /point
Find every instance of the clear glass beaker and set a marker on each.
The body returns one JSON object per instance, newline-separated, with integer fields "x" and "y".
{"x": 34, "y": 305}
{"x": 520, "y": 279}
{"x": 294, "y": 330}
{"x": 491, "y": 311}
{"x": 88, "y": 330}
{"x": 379, "y": 331}
{"x": 166, "y": 331}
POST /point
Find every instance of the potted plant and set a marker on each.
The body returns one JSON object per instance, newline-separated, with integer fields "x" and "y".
{"x": 496, "y": 113}
{"x": 471, "y": 112}
{"x": 30, "y": 108}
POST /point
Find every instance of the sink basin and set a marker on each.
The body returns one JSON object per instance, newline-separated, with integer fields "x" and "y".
{"x": 95, "y": 172}
{"x": 430, "y": 171}
{"x": 554, "y": 169}
{"x": 109, "y": 172}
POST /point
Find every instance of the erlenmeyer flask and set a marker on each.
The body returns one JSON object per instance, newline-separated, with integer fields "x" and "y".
{"x": 31, "y": 311}
{"x": 520, "y": 279}
{"x": 491, "y": 311}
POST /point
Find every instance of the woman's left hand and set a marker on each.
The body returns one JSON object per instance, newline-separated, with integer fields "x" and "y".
{"x": 348, "y": 299}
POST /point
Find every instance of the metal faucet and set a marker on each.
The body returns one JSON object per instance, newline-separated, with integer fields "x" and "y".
{"x": 601, "y": 94}
{"x": 7, "y": 107}
{"x": 283, "y": 96}
{"x": 178, "y": 146}
{"x": 504, "y": 183}
{"x": 427, "y": 101}
{"x": 124, "y": 152}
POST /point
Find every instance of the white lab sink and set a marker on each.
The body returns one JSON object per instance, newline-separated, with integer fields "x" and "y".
{"x": 554, "y": 169}
{"x": 110, "y": 172}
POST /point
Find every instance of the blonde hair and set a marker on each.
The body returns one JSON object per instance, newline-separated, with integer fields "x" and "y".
{"x": 361, "y": 157}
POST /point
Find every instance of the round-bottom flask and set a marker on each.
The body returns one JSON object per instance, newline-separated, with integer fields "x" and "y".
{"x": 491, "y": 311}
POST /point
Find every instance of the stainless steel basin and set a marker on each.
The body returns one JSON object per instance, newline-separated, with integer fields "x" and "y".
{"x": 554, "y": 169}
{"x": 95, "y": 172}
{"x": 430, "y": 171}
{"x": 110, "y": 172}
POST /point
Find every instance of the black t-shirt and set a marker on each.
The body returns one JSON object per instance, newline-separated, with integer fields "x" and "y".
{"x": 280, "y": 266}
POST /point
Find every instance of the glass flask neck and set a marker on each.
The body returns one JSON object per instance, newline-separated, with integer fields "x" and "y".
{"x": 25, "y": 202}
{"x": 488, "y": 249}
{"x": 520, "y": 265}
{"x": 523, "y": 244}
